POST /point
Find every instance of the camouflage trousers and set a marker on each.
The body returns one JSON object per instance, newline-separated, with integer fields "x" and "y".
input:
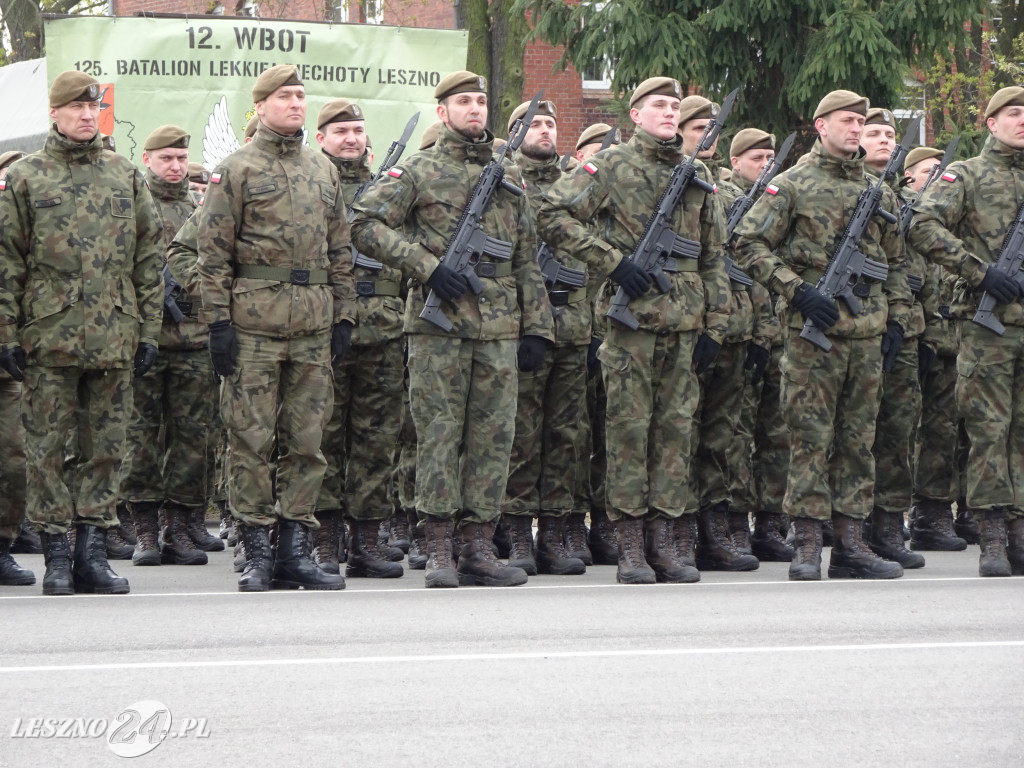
{"x": 721, "y": 401}
{"x": 166, "y": 450}
{"x": 899, "y": 411}
{"x": 462, "y": 394}
{"x": 552, "y": 438}
{"x": 12, "y": 459}
{"x": 361, "y": 437}
{"x": 275, "y": 406}
{"x": 652, "y": 394}
{"x": 404, "y": 484}
{"x": 935, "y": 474}
{"x": 597, "y": 466}
{"x": 770, "y": 462}
{"x": 990, "y": 399}
{"x": 742, "y": 490}
{"x": 216, "y": 457}
{"x": 830, "y": 400}
{"x": 86, "y": 411}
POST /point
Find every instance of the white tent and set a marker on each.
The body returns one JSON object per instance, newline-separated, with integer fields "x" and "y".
{"x": 25, "y": 122}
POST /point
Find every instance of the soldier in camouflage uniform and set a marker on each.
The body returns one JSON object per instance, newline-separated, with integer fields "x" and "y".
{"x": 276, "y": 283}
{"x": 830, "y": 398}
{"x": 598, "y": 214}
{"x": 961, "y": 222}
{"x": 462, "y": 382}
{"x": 80, "y": 300}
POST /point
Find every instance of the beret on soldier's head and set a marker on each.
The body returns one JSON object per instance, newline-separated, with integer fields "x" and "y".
{"x": 339, "y": 111}
{"x": 272, "y": 79}
{"x": 696, "y": 108}
{"x": 462, "y": 81}
{"x": 545, "y": 107}
{"x": 429, "y": 137}
{"x": 879, "y": 116}
{"x": 1005, "y": 97}
{"x": 197, "y": 174}
{"x": 847, "y": 101}
{"x": 751, "y": 138}
{"x": 74, "y": 86}
{"x": 251, "y": 126}
{"x": 167, "y": 136}
{"x": 656, "y": 86}
{"x": 9, "y": 157}
{"x": 595, "y": 135}
{"x": 917, "y": 154}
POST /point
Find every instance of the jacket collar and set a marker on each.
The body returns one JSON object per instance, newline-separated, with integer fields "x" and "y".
{"x": 998, "y": 152}
{"x": 166, "y": 190}
{"x": 539, "y": 171}
{"x": 842, "y": 167}
{"x": 60, "y": 146}
{"x": 669, "y": 152}
{"x": 458, "y": 147}
{"x": 274, "y": 143}
{"x": 354, "y": 170}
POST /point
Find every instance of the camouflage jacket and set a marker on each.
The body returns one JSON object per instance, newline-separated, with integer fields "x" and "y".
{"x": 962, "y": 218}
{"x": 572, "y": 319}
{"x": 599, "y": 214}
{"x": 174, "y": 205}
{"x": 80, "y": 257}
{"x": 407, "y": 218}
{"x": 275, "y": 203}
{"x": 183, "y": 262}
{"x": 789, "y": 235}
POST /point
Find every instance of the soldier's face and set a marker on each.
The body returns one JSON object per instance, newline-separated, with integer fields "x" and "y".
{"x": 465, "y": 113}
{"x": 918, "y": 172}
{"x": 346, "y": 140}
{"x": 541, "y": 140}
{"x": 1007, "y": 125}
{"x": 878, "y": 141}
{"x": 691, "y": 132}
{"x": 284, "y": 111}
{"x": 840, "y": 132}
{"x": 750, "y": 164}
{"x": 658, "y": 116}
{"x": 168, "y": 164}
{"x": 78, "y": 120}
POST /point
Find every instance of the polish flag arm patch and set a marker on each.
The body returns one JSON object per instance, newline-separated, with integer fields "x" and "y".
{"x": 771, "y": 189}
{"x": 3, "y": 184}
{"x": 395, "y": 173}
{"x": 590, "y": 168}
{"x": 947, "y": 176}
{"x": 215, "y": 178}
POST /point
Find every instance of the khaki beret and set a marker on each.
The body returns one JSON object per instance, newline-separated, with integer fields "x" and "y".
{"x": 661, "y": 86}
{"x": 429, "y": 137}
{"x": 595, "y": 135}
{"x": 1010, "y": 96}
{"x": 463, "y": 81}
{"x": 272, "y": 79}
{"x": 695, "y": 108}
{"x": 197, "y": 174}
{"x": 107, "y": 142}
{"x": 251, "y": 126}
{"x": 845, "y": 100}
{"x": 879, "y": 116}
{"x": 917, "y": 154}
{"x": 543, "y": 108}
{"x": 9, "y": 157}
{"x": 339, "y": 111}
{"x": 751, "y": 138}
{"x": 167, "y": 136}
{"x": 74, "y": 86}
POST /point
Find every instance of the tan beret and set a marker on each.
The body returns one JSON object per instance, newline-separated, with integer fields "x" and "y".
{"x": 695, "y": 108}
{"x": 339, "y": 111}
{"x": 845, "y": 100}
{"x": 750, "y": 138}
{"x": 917, "y": 154}
{"x": 543, "y": 108}
{"x": 595, "y": 135}
{"x": 660, "y": 86}
{"x": 429, "y": 137}
{"x": 167, "y": 136}
{"x": 1005, "y": 97}
{"x": 74, "y": 86}
{"x": 9, "y": 157}
{"x": 879, "y": 116}
{"x": 251, "y": 126}
{"x": 463, "y": 81}
{"x": 272, "y": 79}
{"x": 197, "y": 174}
{"x": 107, "y": 142}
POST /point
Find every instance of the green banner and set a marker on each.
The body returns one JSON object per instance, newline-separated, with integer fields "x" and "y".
{"x": 198, "y": 73}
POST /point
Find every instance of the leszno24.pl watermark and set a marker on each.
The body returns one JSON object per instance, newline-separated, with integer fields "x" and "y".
{"x": 136, "y": 730}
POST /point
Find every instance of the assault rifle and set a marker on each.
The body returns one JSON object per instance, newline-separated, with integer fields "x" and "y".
{"x": 848, "y": 265}
{"x": 1011, "y": 257}
{"x": 173, "y": 291}
{"x": 907, "y": 213}
{"x": 659, "y": 246}
{"x": 469, "y": 241}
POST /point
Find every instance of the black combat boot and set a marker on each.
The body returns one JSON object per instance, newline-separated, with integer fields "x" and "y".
{"x": 178, "y": 548}
{"x": 400, "y": 537}
{"x": 147, "y": 532}
{"x": 767, "y": 543}
{"x": 91, "y": 572}
{"x": 1015, "y": 544}
{"x": 932, "y": 528}
{"x": 365, "y": 557}
{"x": 201, "y": 537}
{"x": 327, "y": 540}
{"x": 965, "y": 526}
{"x": 57, "y": 555}
{"x": 254, "y": 541}
{"x": 852, "y": 558}
{"x": 633, "y": 567}
{"x": 552, "y": 555}
{"x": 520, "y": 541}
{"x": 387, "y": 551}
{"x": 739, "y": 531}
{"x": 501, "y": 541}
{"x": 576, "y": 538}
{"x": 807, "y": 545}
{"x": 887, "y": 539}
{"x": 12, "y": 574}
{"x": 715, "y": 550}
{"x": 478, "y": 565}
{"x": 27, "y": 541}
{"x": 992, "y": 531}
{"x": 604, "y": 538}
{"x": 293, "y": 566}
{"x": 662, "y": 553}
{"x": 418, "y": 547}
{"x": 440, "y": 565}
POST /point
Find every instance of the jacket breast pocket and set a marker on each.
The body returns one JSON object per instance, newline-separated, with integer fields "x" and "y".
{"x": 121, "y": 207}
{"x": 328, "y": 193}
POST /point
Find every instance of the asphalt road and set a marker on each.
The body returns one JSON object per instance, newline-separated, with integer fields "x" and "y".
{"x": 740, "y": 669}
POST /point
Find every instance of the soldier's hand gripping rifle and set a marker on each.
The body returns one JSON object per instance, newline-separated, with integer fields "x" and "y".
{"x": 173, "y": 290}
{"x": 1011, "y": 257}
{"x": 469, "y": 241}
{"x": 848, "y": 264}
{"x": 659, "y": 246}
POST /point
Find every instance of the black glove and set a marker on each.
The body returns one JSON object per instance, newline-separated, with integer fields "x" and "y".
{"x": 1003, "y": 289}
{"x": 13, "y": 361}
{"x": 532, "y": 350}
{"x": 634, "y": 281}
{"x": 448, "y": 284}
{"x": 925, "y": 358}
{"x": 593, "y": 363}
{"x": 815, "y": 306}
{"x": 145, "y": 356}
{"x": 756, "y": 361}
{"x": 704, "y": 353}
{"x": 341, "y": 341}
{"x": 223, "y": 347}
{"x": 892, "y": 343}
